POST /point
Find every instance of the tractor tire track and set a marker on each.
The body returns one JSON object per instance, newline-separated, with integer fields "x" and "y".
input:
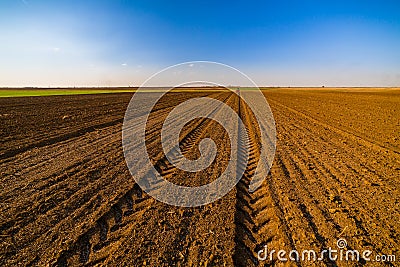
{"x": 86, "y": 246}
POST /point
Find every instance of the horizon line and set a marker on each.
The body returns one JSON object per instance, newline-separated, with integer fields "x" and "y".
{"x": 168, "y": 86}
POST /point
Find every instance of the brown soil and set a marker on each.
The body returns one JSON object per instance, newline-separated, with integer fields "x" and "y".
{"x": 68, "y": 199}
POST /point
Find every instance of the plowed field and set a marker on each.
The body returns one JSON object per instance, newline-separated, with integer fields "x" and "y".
{"x": 67, "y": 197}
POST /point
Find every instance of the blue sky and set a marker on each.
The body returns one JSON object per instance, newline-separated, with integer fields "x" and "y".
{"x": 285, "y": 43}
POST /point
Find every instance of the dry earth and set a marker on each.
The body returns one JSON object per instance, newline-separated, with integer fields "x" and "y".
{"x": 68, "y": 199}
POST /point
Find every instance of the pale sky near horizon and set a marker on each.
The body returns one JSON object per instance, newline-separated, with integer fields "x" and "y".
{"x": 276, "y": 43}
